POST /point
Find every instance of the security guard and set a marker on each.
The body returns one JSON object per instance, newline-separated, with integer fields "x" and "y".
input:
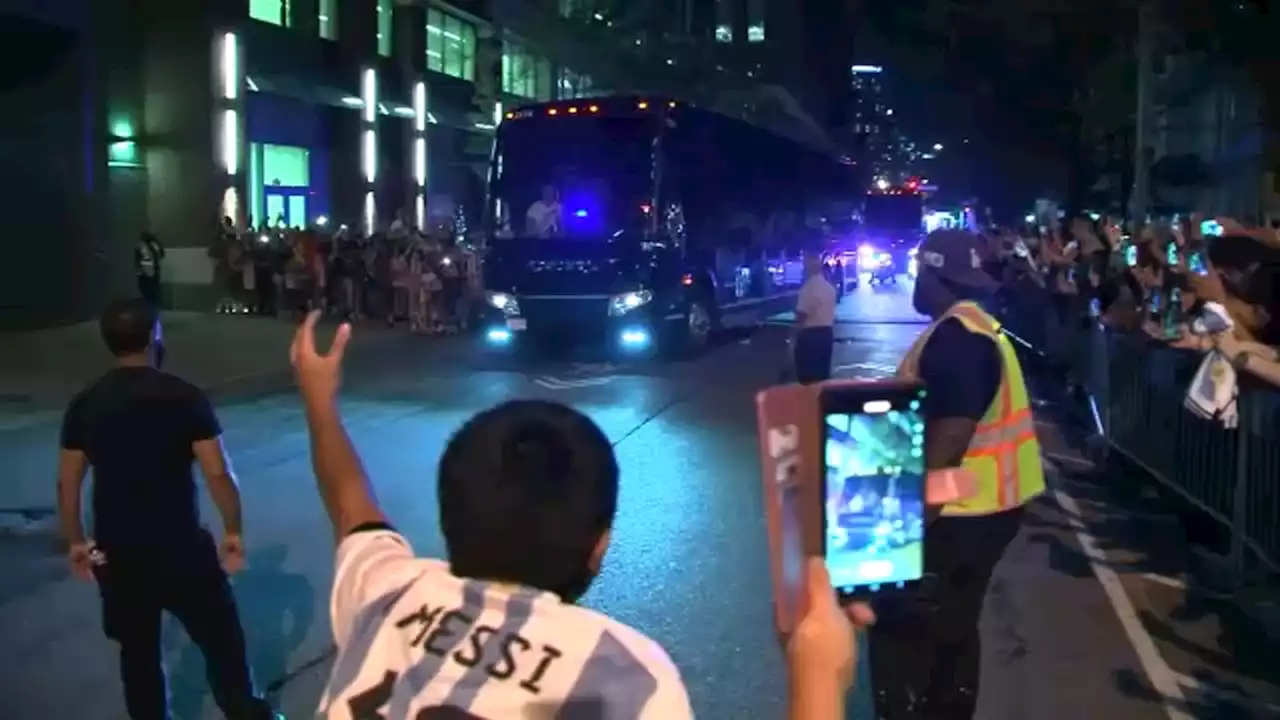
{"x": 813, "y": 334}
{"x": 925, "y": 650}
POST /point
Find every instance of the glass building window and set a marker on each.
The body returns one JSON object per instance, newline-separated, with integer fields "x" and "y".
{"x": 327, "y": 18}
{"x": 755, "y": 20}
{"x": 451, "y": 45}
{"x": 544, "y": 88}
{"x": 724, "y": 21}
{"x": 275, "y": 12}
{"x": 576, "y": 8}
{"x": 385, "y": 14}
{"x": 574, "y": 85}
{"x": 525, "y": 74}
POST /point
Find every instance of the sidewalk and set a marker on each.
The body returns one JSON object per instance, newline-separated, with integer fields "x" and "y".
{"x": 1201, "y": 653}
{"x": 41, "y": 371}
{"x": 229, "y": 356}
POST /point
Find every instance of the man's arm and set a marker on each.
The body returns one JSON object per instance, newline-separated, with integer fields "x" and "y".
{"x": 206, "y": 444}
{"x": 73, "y": 464}
{"x": 344, "y": 487}
{"x": 963, "y": 372}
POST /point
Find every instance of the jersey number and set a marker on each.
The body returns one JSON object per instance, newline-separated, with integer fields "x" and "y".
{"x": 368, "y": 705}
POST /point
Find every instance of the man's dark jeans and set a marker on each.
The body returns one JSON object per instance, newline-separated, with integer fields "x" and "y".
{"x": 189, "y": 583}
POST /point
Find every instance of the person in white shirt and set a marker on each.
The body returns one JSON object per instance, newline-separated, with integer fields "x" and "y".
{"x": 527, "y": 494}
{"x": 544, "y": 216}
{"x": 813, "y": 337}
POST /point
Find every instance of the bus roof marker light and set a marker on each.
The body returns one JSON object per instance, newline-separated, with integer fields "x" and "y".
{"x": 642, "y": 105}
{"x": 671, "y": 104}
{"x": 573, "y": 111}
{"x": 552, "y": 111}
{"x": 594, "y": 108}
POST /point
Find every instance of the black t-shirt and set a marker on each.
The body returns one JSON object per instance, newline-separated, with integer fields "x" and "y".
{"x": 962, "y": 371}
{"x": 137, "y": 426}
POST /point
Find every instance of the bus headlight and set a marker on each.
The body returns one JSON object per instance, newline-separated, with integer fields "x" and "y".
{"x": 628, "y": 301}
{"x": 504, "y": 302}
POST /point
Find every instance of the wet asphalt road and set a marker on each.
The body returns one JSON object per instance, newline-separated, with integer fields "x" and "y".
{"x": 687, "y": 565}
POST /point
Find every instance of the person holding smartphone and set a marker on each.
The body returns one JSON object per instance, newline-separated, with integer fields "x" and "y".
{"x": 926, "y": 648}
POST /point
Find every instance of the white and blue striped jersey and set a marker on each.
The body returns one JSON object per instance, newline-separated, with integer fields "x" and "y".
{"x": 417, "y": 643}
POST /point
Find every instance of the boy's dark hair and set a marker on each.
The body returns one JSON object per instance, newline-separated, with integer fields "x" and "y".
{"x": 127, "y": 326}
{"x": 526, "y": 491}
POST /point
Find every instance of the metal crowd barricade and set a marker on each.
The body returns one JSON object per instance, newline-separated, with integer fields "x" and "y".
{"x": 1133, "y": 393}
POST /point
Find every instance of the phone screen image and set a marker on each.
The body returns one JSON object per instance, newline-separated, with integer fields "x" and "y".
{"x": 1196, "y": 263}
{"x": 1131, "y": 256}
{"x": 1210, "y": 228}
{"x": 1171, "y": 254}
{"x": 875, "y": 485}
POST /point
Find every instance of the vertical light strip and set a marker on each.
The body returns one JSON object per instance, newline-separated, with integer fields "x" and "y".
{"x": 370, "y": 155}
{"x": 420, "y": 210}
{"x": 420, "y": 161}
{"x": 370, "y": 213}
{"x": 497, "y": 113}
{"x": 230, "y": 141}
{"x": 230, "y": 64}
{"x": 369, "y": 94}
{"x": 420, "y": 106}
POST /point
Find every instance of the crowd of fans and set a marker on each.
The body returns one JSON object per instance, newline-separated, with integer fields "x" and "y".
{"x": 1162, "y": 281}
{"x": 397, "y": 275}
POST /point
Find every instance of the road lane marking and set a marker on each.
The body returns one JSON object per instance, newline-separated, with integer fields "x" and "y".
{"x": 554, "y": 383}
{"x": 1162, "y": 677}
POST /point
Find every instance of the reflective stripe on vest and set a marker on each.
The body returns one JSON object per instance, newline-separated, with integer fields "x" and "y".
{"x": 1004, "y": 451}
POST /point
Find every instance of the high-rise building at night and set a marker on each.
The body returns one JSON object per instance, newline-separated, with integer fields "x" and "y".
{"x": 355, "y": 111}
{"x": 872, "y": 119}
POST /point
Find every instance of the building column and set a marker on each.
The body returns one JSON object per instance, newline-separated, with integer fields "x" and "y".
{"x": 410, "y": 51}
{"x": 191, "y": 136}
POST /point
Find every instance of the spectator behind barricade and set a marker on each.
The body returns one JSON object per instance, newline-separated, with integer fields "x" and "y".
{"x": 528, "y": 492}
{"x": 1227, "y": 309}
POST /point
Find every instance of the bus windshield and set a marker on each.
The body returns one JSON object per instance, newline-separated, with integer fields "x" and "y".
{"x": 894, "y": 212}
{"x": 572, "y": 177}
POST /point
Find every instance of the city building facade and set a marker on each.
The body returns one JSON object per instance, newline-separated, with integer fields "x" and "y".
{"x": 172, "y": 116}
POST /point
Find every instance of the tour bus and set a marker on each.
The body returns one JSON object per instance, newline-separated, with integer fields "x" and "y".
{"x": 646, "y": 222}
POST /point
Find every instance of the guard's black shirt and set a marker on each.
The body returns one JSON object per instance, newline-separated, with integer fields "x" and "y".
{"x": 962, "y": 371}
{"x": 137, "y": 426}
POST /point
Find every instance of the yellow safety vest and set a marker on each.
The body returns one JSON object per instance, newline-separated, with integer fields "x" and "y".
{"x": 1004, "y": 452}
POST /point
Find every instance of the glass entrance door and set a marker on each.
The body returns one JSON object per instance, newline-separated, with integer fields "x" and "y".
{"x": 286, "y": 206}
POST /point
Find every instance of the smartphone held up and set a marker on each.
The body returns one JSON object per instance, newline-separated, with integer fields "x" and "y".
{"x": 844, "y": 478}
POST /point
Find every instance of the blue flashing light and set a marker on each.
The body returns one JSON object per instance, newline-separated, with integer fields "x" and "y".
{"x": 580, "y": 213}
{"x": 635, "y": 338}
{"x": 498, "y": 336}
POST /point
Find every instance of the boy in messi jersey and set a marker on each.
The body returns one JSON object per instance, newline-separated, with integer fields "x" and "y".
{"x": 527, "y": 494}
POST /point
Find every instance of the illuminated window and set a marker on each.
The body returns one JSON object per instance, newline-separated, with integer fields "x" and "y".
{"x": 451, "y": 45}
{"x": 286, "y": 166}
{"x": 724, "y": 21}
{"x": 755, "y": 20}
{"x": 385, "y": 31}
{"x": 327, "y": 18}
{"x": 575, "y": 8}
{"x": 574, "y": 85}
{"x": 275, "y": 12}
{"x": 524, "y": 74}
{"x": 544, "y": 89}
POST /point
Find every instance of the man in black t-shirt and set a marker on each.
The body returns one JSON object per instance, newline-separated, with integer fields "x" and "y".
{"x": 140, "y": 430}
